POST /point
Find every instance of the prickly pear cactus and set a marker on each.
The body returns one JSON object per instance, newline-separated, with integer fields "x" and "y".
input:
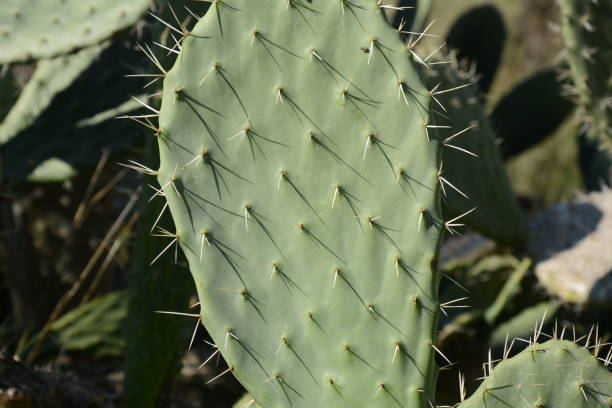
{"x": 31, "y": 29}
{"x": 482, "y": 177}
{"x": 588, "y": 36}
{"x": 302, "y": 177}
{"x": 557, "y": 373}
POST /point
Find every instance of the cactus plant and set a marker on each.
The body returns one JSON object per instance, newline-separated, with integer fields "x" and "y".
{"x": 300, "y": 158}
{"x": 588, "y": 37}
{"x": 281, "y": 166}
{"x": 152, "y": 339}
{"x": 32, "y": 29}
{"x": 483, "y": 179}
{"x": 94, "y": 326}
{"x": 557, "y": 373}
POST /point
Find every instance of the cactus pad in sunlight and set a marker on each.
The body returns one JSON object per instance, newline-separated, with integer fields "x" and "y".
{"x": 557, "y": 373}
{"x": 303, "y": 182}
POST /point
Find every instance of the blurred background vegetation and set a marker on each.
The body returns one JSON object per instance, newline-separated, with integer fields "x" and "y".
{"x": 78, "y": 293}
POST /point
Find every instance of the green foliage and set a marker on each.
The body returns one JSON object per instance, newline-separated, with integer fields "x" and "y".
{"x": 279, "y": 161}
{"x": 588, "y": 37}
{"x": 478, "y": 36}
{"x": 94, "y": 327}
{"x": 483, "y": 179}
{"x": 32, "y": 29}
{"x": 556, "y": 374}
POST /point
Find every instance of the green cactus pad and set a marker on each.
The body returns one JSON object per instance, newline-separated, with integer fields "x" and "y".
{"x": 588, "y": 36}
{"x": 53, "y": 131}
{"x": 556, "y": 374}
{"x": 32, "y": 29}
{"x": 483, "y": 179}
{"x": 297, "y": 168}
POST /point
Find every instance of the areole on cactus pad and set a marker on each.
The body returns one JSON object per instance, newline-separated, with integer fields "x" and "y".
{"x": 301, "y": 163}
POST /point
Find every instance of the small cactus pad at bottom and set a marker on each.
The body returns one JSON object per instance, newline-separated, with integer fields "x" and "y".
{"x": 555, "y": 374}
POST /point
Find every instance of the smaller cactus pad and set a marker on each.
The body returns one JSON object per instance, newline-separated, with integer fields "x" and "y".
{"x": 555, "y": 374}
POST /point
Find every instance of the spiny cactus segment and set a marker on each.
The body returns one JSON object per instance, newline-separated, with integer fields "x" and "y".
{"x": 557, "y": 373}
{"x": 302, "y": 173}
{"x": 588, "y": 37}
